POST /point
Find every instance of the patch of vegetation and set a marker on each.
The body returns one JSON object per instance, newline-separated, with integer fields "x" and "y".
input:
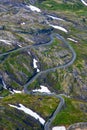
{"x": 34, "y": 85}
{"x": 4, "y": 93}
{"x": 5, "y": 48}
{"x": 55, "y": 54}
{"x": 13, "y": 117}
{"x": 18, "y": 66}
{"x": 70, "y": 115}
{"x": 58, "y": 5}
{"x": 40, "y": 103}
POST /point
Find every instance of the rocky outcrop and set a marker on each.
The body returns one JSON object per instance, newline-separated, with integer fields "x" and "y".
{"x": 32, "y": 1}
{"x": 13, "y": 1}
{"x": 19, "y": 1}
{"x": 78, "y": 126}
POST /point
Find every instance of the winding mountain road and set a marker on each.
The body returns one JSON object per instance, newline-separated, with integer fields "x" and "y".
{"x": 47, "y": 125}
{"x": 57, "y": 67}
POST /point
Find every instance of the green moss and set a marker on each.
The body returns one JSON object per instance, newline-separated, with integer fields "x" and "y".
{"x": 34, "y": 85}
{"x": 40, "y": 103}
{"x": 54, "y": 5}
{"x": 4, "y": 93}
{"x": 18, "y": 65}
{"x": 81, "y": 53}
{"x": 70, "y": 114}
{"x": 11, "y": 118}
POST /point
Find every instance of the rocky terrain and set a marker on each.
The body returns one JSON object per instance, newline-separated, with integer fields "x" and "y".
{"x": 43, "y": 48}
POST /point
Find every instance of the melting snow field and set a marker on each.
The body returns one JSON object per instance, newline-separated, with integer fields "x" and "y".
{"x": 5, "y": 41}
{"x": 23, "y": 23}
{"x": 55, "y": 18}
{"x": 33, "y": 8}
{"x": 72, "y": 40}
{"x": 30, "y": 112}
{"x": 58, "y": 27}
{"x": 11, "y": 91}
{"x": 29, "y": 53}
{"x": 19, "y": 45}
{"x": 38, "y": 70}
{"x": 42, "y": 90}
{"x": 59, "y": 128}
{"x": 35, "y": 64}
{"x": 4, "y": 85}
{"x": 84, "y": 2}
{"x": 15, "y": 91}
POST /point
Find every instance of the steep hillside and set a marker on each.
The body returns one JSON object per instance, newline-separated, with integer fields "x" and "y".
{"x": 43, "y": 59}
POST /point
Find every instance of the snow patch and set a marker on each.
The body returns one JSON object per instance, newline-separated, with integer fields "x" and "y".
{"x": 11, "y": 91}
{"x": 35, "y": 64}
{"x": 72, "y": 40}
{"x": 15, "y": 91}
{"x": 19, "y": 45}
{"x": 29, "y": 111}
{"x": 23, "y": 23}
{"x": 59, "y": 128}
{"x": 55, "y": 18}
{"x": 6, "y": 41}
{"x": 38, "y": 70}
{"x": 58, "y": 27}
{"x": 84, "y": 2}
{"x": 4, "y": 85}
{"x": 33, "y": 8}
{"x": 42, "y": 90}
{"x": 29, "y": 52}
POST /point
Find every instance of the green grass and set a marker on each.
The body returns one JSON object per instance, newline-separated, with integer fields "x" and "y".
{"x": 11, "y": 118}
{"x": 4, "y": 93}
{"x": 34, "y": 85}
{"x": 49, "y": 56}
{"x": 58, "y": 80}
{"x": 54, "y": 5}
{"x": 18, "y": 65}
{"x": 40, "y": 103}
{"x": 4, "y": 48}
{"x": 70, "y": 114}
{"x": 81, "y": 53}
